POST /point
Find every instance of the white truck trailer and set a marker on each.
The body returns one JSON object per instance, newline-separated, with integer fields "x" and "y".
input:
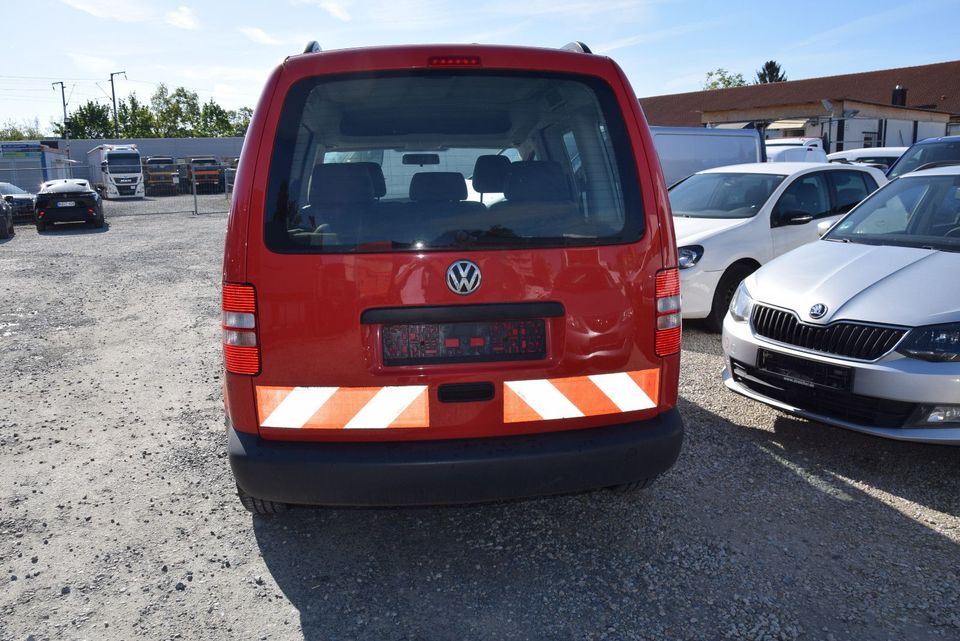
{"x": 116, "y": 171}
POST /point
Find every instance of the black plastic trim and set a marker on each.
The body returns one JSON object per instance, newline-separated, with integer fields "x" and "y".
{"x": 461, "y": 313}
{"x": 465, "y": 392}
{"x": 454, "y": 471}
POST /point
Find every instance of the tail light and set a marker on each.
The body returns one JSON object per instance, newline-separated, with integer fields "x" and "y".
{"x": 40, "y": 213}
{"x": 668, "y": 312}
{"x": 241, "y": 348}
{"x": 454, "y": 61}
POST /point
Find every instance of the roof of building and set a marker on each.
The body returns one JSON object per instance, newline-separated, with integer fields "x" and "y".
{"x": 935, "y": 86}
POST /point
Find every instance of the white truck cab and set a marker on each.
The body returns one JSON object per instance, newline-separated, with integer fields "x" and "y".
{"x": 116, "y": 171}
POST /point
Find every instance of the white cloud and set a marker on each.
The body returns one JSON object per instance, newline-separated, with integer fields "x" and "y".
{"x": 260, "y": 36}
{"x": 657, "y": 35}
{"x": 334, "y": 8}
{"x": 120, "y": 10}
{"x": 93, "y": 65}
{"x": 183, "y": 18}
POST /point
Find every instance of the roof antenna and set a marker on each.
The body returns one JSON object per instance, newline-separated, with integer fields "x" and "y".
{"x": 312, "y": 47}
{"x": 577, "y": 47}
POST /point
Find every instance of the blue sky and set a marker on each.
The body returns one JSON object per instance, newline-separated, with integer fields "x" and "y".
{"x": 225, "y": 50}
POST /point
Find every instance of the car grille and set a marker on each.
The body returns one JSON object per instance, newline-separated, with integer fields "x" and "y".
{"x": 853, "y": 408}
{"x": 127, "y": 191}
{"x": 853, "y": 340}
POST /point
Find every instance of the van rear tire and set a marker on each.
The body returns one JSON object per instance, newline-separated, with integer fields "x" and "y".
{"x": 724, "y": 294}
{"x": 262, "y": 507}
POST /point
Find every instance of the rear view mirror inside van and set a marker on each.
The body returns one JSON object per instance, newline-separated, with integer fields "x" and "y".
{"x": 421, "y": 159}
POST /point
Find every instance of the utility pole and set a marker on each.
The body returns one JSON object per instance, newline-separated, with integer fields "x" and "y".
{"x": 113, "y": 93}
{"x": 66, "y": 129}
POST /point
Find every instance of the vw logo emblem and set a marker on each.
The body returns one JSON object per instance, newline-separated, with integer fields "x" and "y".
{"x": 818, "y": 311}
{"x": 463, "y": 277}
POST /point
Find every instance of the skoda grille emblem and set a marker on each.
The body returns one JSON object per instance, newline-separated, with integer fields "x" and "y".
{"x": 818, "y": 311}
{"x": 463, "y": 277}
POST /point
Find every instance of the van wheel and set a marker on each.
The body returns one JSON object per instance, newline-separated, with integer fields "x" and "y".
{"x": 633, "y": 486}
{"x": 725, "y": 289}
{"x": 7, "y": 231}
{"x": 260, "y": 506}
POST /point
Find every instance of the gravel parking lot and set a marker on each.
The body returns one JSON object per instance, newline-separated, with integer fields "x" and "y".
{"x": 118, "y": 518}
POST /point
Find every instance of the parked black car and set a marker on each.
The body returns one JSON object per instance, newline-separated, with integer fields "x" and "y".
{"x": 68, "y": 200}
{"x": 6, "y": 219}
{"x": 21, "y": 200}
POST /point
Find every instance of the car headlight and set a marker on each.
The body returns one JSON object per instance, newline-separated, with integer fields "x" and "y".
{"x": 939, "y": 343}
{"x": 741, "y": 305}
{"x": 689, "y": 255}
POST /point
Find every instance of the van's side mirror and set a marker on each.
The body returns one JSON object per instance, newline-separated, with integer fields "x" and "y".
{"x": 824, "y": 226}
{"x": 9, "y": 199}
{"x": 104, "y": 166}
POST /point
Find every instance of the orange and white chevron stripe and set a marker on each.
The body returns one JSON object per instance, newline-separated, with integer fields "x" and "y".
{"x": 348, "y": 408}
{"x": 578, "y": 396}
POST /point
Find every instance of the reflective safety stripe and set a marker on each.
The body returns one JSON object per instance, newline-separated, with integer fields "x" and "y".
{"x": 343, "y": 407}
{"x": 577, "y": 396}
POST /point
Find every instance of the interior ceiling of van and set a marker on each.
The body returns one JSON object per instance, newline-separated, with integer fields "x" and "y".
{"x": 436, "y": 112}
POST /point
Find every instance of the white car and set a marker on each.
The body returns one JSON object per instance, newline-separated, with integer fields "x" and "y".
{"x": 862, "y": 329}
{"x": 795, "y": 150}
{"x": 731, "y": 220}
{"x": 884, "y": 156}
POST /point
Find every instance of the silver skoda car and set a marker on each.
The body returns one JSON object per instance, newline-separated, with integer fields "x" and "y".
{"x": 861, "y": 329}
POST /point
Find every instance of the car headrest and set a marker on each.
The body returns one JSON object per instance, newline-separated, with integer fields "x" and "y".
{"x": 435, "y": 186}
{"x": 340, "y": 183}
{"x": 490, "y": 173}
{"x": 536, "y": 180}
{"x": 376, "y": 175}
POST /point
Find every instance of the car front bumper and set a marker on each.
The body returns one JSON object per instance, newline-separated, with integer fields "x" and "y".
{"x": 892, "y": 381}
{"x": 456, "y": 471}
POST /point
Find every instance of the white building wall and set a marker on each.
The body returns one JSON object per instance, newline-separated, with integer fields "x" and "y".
{"x": 931, "y": 130}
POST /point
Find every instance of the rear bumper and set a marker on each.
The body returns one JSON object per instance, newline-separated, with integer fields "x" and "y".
{"x": 67, "y": 215}
{"x": 455, "y": 471}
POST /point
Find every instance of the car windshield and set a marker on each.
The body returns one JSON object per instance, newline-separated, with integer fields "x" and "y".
{"x": 722, "y": 195}
{"x": 915, "y": 211}
{"x": 944, "y": 151}
{"x": 123, "y": 163}
{"x": 443, "y": 160}
{"x": 205, "y": 161}
{"x": 10, "y": 190}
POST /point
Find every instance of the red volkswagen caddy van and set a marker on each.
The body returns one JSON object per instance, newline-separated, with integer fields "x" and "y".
{"x": 450, "y": 276}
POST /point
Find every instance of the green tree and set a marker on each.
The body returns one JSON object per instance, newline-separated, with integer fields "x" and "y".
{"x": 720, "y": 78}
{"x": 89, "y": 120}
{"x": 770, "y": 72}
{"x": 21, "y": 130}
{"x": 214, "y": 121}
{"x": 240, "y": 120}
{"x": 135, "y": 118}
{"x": 176, "y": 114}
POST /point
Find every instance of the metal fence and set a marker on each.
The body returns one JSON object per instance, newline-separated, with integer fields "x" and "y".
{"x": 187, "y": 197}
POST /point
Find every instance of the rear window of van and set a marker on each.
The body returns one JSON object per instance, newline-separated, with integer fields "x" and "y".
{"x": 417, "y": 161}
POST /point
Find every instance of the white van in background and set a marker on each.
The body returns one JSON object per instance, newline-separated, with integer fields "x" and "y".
{"x": 795, "y": 150}
{"x": 686, "y": 150}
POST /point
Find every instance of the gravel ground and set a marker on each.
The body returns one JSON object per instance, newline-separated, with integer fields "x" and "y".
{"x": 118, "y": 518}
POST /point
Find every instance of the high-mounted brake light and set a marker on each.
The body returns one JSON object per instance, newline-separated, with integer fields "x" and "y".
{"x": 668, "y": 312}
{"x": 241, "y": 349}
{"x": 454, "y": 61}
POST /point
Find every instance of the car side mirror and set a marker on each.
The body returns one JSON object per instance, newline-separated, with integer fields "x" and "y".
{"x": 782, "y": 218}
{"x": 824, "y": 226}
{"x": 104, "y": 166}
{"x": 9, "y": 199}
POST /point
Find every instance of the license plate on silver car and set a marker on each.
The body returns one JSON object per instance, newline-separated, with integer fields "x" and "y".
{"x": 66, "y": 203}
